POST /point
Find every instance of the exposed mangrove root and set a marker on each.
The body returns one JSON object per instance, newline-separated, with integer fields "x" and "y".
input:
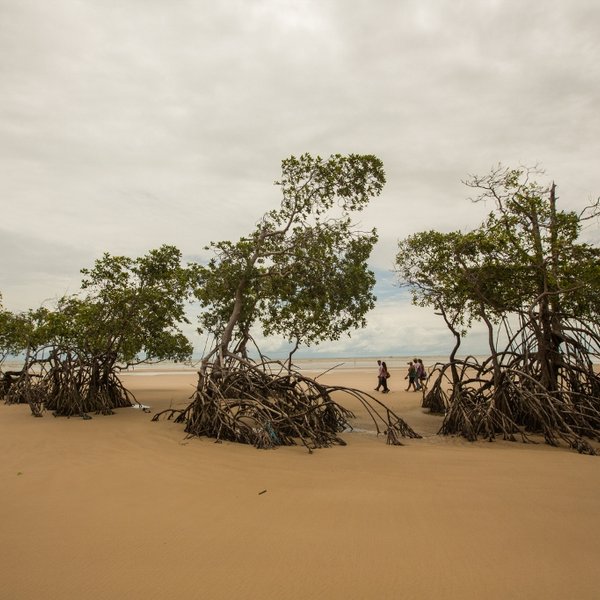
{"x": 68, "y": 385}
{"x": 510, "y": 396}
{"x": 267, "y": 404}
{"x": 7, "y": 379}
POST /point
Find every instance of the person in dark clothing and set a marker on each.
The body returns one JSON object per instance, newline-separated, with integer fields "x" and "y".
{"x": 412, "y": 376}
{"x": 385, "y": 377}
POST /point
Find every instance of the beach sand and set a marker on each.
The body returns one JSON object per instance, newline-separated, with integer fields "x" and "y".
{"x": 120, "y": 507}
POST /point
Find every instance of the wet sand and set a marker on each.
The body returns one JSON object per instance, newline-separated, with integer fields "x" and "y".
{"x": 121, "y": 507}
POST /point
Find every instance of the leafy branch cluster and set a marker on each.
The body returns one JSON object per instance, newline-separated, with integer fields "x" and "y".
{"x": 302, "y": 273}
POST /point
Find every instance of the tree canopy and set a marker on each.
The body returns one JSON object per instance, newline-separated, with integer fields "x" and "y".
{"x": 133, "y": 308}
{"x": 13, "y": 333}
{"x": 302, "y": 272}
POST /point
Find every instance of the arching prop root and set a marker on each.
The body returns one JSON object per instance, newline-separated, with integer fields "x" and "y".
{"x": 510, "y": 401}
{"x": 267, "y": 405}
{"x": 68, "y": 386}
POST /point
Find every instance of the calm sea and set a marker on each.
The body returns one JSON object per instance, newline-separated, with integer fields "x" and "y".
{"x": 308, "y": 365}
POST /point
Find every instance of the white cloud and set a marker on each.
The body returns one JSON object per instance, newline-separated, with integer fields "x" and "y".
{"x": 128, "y": 124}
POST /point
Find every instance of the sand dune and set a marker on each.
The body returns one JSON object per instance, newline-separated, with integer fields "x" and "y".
{"x": 121, "y": 507}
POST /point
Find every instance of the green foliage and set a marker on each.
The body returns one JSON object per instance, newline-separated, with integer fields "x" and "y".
{"x": 13, "y": 333}
{"x": 20, "y": 332}
{"x": 129, "y": 310}
{"x": 430, "y": 263}
{"x": 302, "y": 273}
{"x": 131, "y": 307}
{"x": 526, "y": 254}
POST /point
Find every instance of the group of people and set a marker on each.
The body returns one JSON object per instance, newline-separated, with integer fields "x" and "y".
{"x": 416, "y": 375}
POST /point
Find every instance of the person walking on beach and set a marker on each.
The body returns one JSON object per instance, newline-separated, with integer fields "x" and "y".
{"x": 418, "y": 367}
{"x": 411, "y": 376}
{"x": 385, "y": 377}
{"x": 421, "y": 373}
{"x": 378, "y": 375}
{"x": 382, "y": 376}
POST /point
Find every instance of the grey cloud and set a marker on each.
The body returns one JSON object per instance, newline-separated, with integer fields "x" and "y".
{"x": 128, "y": 124}
{"x": 34, "y": 270}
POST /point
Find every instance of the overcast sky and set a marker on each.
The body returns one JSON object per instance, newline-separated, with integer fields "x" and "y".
{"x": 126, "y": 124}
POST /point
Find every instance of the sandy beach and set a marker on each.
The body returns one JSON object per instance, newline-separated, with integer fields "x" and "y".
{"x": 123, "y": 507}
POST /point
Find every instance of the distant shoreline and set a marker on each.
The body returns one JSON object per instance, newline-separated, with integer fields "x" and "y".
{"x": 318, "y": 364}
{"x": 304, "y": 364}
